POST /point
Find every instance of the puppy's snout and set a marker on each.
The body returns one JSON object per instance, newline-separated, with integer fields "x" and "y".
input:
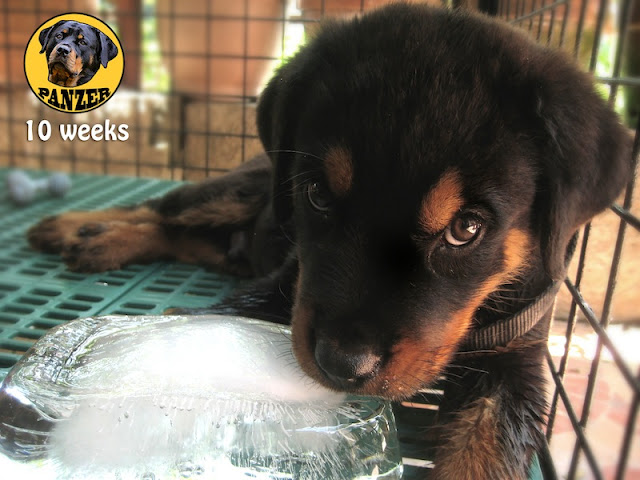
{"x": 347, "y": 370}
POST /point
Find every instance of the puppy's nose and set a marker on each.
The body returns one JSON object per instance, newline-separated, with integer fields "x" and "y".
{"x": 346, "y": 370}
{"x": 63, "y": 50}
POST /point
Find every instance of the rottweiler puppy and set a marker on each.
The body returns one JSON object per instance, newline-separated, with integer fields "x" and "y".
{"x": 425, "y": 174}
{"x": 75, "y": 51}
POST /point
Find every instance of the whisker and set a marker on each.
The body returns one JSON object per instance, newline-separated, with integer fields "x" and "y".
{"x": 466, "y": 367}
{"x": 474, "y": 352}
{"x": 300, "y": 152}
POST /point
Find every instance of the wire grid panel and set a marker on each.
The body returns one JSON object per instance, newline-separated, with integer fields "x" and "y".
{"x": 37, "y": 292}
{"x": 605, "y": 41}
{"x": 193, "y": 70}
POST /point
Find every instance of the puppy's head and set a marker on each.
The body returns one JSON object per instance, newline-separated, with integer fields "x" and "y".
{"x": 427, "y": 160}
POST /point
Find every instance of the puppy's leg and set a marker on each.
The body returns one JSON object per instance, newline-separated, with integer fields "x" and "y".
{"x": 473, "y": 448}
{"x": 492, "y": 416}
{"x": 210, "y": 223}
{"x": 268, "y": 298}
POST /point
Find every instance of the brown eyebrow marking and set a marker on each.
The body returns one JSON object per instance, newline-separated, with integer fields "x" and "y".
{"x": 65, "y": 30}
{"x": 80, "y": 36}
{"x": 517, "y": 248}
{"x": 441, "y": 203}
{"x": 339, "y": 170}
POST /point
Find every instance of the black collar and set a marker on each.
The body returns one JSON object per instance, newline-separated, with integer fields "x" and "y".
{"x": 503, "y": 332}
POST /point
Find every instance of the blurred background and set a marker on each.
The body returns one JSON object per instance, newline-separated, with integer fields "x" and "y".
{"x": 194, "y": 69}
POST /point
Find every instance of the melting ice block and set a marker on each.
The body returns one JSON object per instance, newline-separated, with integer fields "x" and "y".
{"x": 201, "y": 397}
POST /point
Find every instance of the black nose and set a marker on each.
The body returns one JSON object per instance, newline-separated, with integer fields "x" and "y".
{"x": 347, "y": 370}
{"x": 63, "y": 50}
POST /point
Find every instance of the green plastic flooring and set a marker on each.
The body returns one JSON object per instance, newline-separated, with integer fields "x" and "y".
{"x": 37, "y": 292}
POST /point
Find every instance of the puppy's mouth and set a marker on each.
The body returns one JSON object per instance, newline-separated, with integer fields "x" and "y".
{"x": 396, "y": 372}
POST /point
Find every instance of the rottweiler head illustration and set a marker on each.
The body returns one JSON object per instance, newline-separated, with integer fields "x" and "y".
{"x": 75, "y": 52}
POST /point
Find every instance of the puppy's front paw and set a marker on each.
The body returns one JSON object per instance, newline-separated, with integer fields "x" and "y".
{"x": 99, "y": 241}
{"x": 55, "y": 234}
{"x": 72, "y": 235}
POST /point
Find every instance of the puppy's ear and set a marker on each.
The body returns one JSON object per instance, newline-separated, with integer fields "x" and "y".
{"x": 586, "y": 157}
{"x": 108, "y": 49}
{"x": 278, "y": 112}
{"x": 45, "y": 33}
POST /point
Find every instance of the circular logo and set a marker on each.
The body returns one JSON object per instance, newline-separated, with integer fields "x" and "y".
{"x": 74, "y": 62}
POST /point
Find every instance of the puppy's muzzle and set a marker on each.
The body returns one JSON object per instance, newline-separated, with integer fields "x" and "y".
{"x": 63, "y": 51}
{"x": 346, "y": 369}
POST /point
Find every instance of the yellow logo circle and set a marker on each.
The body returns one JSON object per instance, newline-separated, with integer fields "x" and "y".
{"x": 74, "y": 62}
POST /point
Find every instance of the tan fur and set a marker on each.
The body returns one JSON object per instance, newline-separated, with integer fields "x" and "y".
{"x": 415, "y": 362}
{"x": 123, "y": 243}
{"x": 516, "y": 251}
{"x": 441, "y": 203}
{"x": 77, "y": 63}
{"x": 471, "y": 446}
{"x": 62, "y": 226}
{"x": 103, "y": 240}
{"x": 111, "y": 239}
{"x": 339, "y": 170}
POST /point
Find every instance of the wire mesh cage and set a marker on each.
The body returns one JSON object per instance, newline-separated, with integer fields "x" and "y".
{"x": 193, "y": 74}
{"x": 604, "y": 38}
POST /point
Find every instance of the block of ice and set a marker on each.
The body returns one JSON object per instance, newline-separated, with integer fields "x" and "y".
{"x": 183, "y": 397}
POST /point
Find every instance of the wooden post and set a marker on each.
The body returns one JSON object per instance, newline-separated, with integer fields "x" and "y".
{"x": 129, "y": 21}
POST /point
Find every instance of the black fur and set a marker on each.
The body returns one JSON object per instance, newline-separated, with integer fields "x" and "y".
{"x": 380, "y": 305}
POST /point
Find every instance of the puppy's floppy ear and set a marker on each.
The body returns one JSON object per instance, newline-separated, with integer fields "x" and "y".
{"x": 586, "y": 156}
{"x": 277, "y": 116}
{"x": 108, "y": 49}
{"x": 45, "y": 33}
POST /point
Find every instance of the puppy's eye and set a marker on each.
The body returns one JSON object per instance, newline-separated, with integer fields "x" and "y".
{"x": 82, "y": 42}
{"x": 318, "y": 197}
{"x": 59, "y": 36}
{"x": 462, "y": 230}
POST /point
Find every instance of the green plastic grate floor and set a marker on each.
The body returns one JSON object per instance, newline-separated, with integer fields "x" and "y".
{"x": 37, "y": 292}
